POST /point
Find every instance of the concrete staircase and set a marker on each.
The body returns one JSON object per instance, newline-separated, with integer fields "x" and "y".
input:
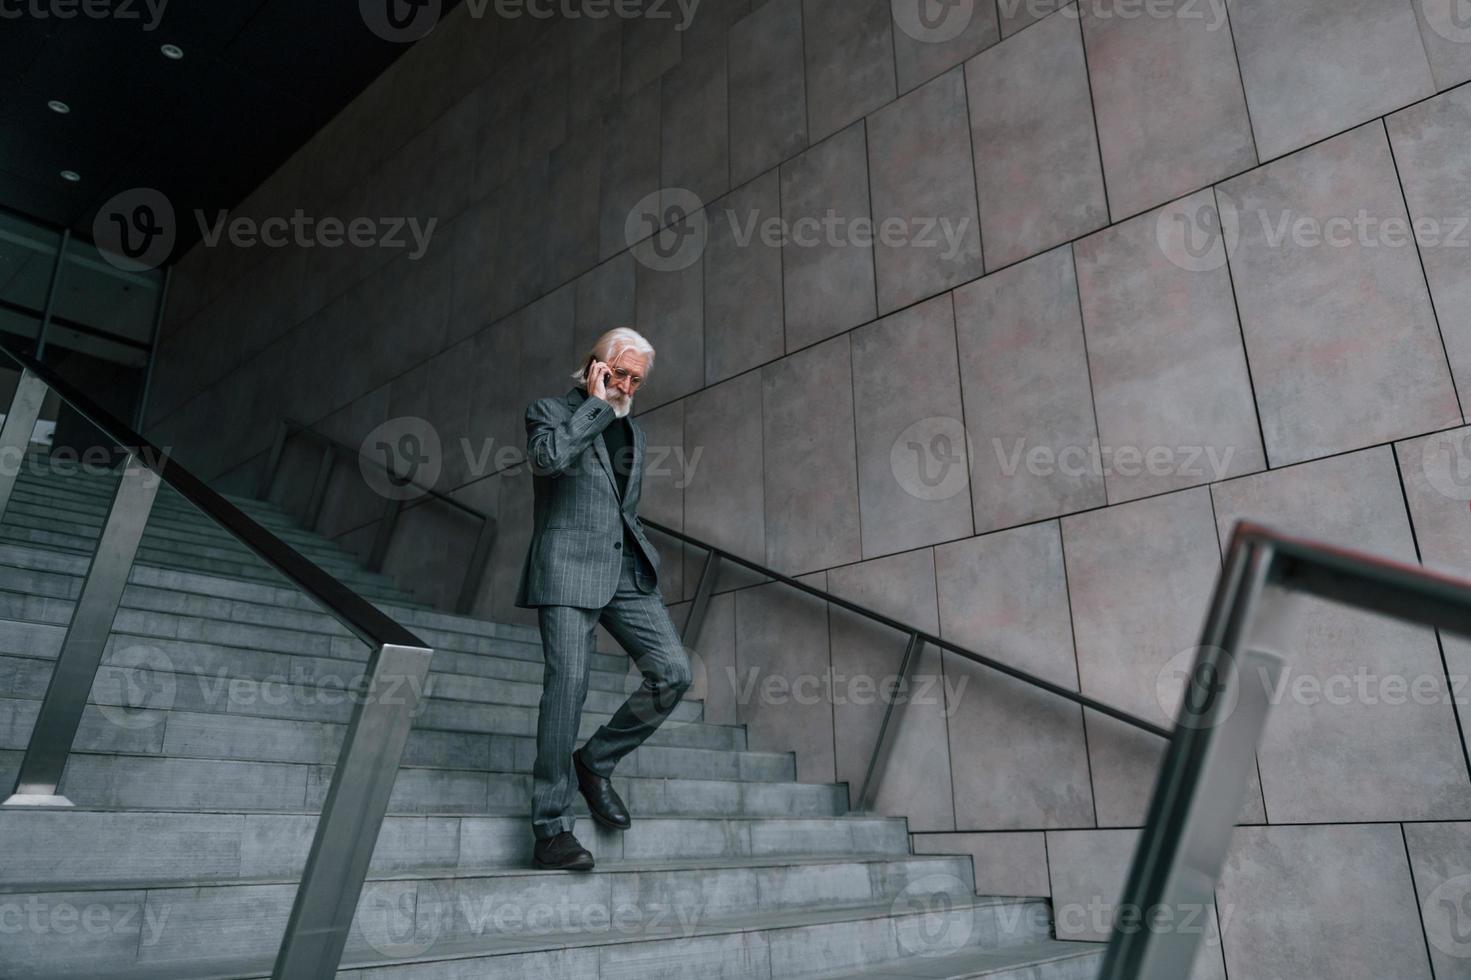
{"x": 209, "y": 744}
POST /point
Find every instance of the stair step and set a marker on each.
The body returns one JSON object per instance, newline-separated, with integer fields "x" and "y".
{"x": 201, "y": 676}
{"x": 242, "y": 738}
{"x": 146, "y": 612}
{"x": 43, "y": 570}
{"x": 1042, "y": 960}
{"x": 29, "y": 508}
{"x": 122, "y": 781}
{"x": 559, "y": 924}
{"x": 69, "y": 847}
{"x": 240, "y": 563}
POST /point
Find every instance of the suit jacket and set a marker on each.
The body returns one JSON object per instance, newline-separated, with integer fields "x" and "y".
{"x": 576, "y": 552}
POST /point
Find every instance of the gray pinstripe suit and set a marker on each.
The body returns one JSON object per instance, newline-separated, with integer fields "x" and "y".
{"x": 578, "y": 573}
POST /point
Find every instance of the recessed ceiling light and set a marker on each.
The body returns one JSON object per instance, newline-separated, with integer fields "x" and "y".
{"x": 59, "y": 107}
{"x": 172, "y": 51}
{"x": 70, "y": 176}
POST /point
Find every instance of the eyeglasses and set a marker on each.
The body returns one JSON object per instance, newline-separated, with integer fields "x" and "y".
{"x": 634, "y": 380}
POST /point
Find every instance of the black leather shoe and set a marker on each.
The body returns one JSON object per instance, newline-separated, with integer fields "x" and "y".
{"x": 602, "y": 800}
{"x": 562, "y": 852}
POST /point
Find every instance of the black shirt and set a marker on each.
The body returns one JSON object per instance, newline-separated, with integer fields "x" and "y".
{"x": 618, "y": 437}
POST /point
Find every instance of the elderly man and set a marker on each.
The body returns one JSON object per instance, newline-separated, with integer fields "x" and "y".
{"x": 589, "y": 563}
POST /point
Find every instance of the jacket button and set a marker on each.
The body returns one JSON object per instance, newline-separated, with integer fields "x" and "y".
{"x": 618, "y": 546}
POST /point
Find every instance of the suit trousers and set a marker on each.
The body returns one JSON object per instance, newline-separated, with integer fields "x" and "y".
{"x": 639, "y": 621}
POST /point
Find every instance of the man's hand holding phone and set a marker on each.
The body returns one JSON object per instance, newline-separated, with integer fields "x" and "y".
{"x": 598, "y": 376}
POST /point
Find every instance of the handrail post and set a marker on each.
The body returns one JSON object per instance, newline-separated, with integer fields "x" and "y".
{"x": 319, "y": 489}
{"x": 475, "y": 572}
{"x": 15, "y": 435}
{"x": 86, "y": 640}
{"x": 695, "y": 621}
{"x": 352, "y": 816}
{"x": 911, "y": 654}
{"x": 273, "y": 461}
{"x": 1205, "y": 772}
{"x": 383, "y": 537}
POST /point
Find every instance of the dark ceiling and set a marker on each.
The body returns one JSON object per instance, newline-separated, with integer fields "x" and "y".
{"x": 257, "y": 78}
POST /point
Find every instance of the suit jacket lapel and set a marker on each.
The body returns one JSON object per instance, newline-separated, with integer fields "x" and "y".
{"x": 575, "y": 397}
{"x": 636, "y": 473}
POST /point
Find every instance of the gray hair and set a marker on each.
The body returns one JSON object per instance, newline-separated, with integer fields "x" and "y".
{"x": 610, "y": 345}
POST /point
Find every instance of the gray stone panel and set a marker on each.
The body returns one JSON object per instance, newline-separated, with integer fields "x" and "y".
{"x": 829, "y": 276}
{"x": 922, "y": 181}
{"x": 1024, "y": 377}
{"x": 1038, "y": 178}
{"x": 1335, "y": 368}
{"x": 1170, "y": 381}
{"x": 912, "y": 465}
{"x": 1359, "y": 686}
{"x": 1313, "y": 68}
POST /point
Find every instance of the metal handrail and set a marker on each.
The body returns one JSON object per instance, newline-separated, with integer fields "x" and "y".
{"x": 367, "y": 766}
{"x": 917, "y": 638}
{"x": 1208, "y": 765}
{"x": 388, "y": 522}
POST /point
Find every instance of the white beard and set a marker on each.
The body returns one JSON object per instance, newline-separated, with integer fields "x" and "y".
{"x": 621, "y": 406}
